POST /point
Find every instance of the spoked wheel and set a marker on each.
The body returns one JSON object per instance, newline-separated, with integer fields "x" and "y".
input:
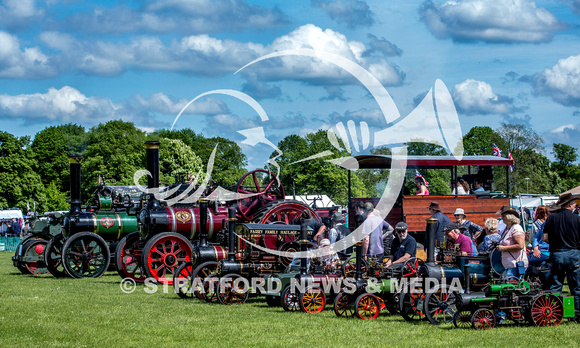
{"x": 199, "y": 274}
{"x": 546, "y": 310}
{"x": 288, "y": 247}
{"x": 261, "y": 194}
{"x": 411, "y": 267}
{"x": 53, "y": 256}
{"x": 392, "y": 303}
{"x": 440, "y": 306}
{"x": 182, "y": 281}
{"x": 367, "y": 307}
{"x": 127, "y": 263}
{"x": 85, "y": 255}
{"x": 282, "y": 211}
{"x": 483, "y": 319}
{"x": 349, "y": 267}
{"x": 33, "y": 257}
{"x": 290, "y": 300}
{"x": 412, "y": 305}
{"x": 312, "y": 300}
{"x": 210, "y": 283}
{"x": 462, "y": 319}
{"x": 343, "y": 305}
{"x": 163, "y": 254}
{"x": 232, "y": 290}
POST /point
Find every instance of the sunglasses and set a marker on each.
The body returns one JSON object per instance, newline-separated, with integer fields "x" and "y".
{"x": 401, "y": 232}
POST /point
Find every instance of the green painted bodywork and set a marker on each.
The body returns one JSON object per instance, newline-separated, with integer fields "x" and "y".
{"x": 114, "y": 226}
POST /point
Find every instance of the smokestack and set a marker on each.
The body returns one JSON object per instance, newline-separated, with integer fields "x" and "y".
{"x": 75, "y": 184}
{"x": 152, "y": 148}
{"x": 359, "y": 256}
{"x": 467, "y": 278}
{"x": 203, "y": 222}
{"x": 232, "y": 225}
{"x": 303, "y": 248}
{"x": 431, "y": 239}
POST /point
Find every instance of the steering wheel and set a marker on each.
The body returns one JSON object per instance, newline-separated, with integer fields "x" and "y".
{"x": 250, "y": 184}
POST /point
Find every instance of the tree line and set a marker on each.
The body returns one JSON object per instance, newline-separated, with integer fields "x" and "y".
{"x": 37, "y": 171}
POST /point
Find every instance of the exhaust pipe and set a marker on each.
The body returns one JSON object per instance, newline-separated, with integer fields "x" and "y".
{"x": 303, "y": 248}
{"x": 232, "y": 226}
{"x": 431, "y": 239}
{"x": 203, "y": 222}
{"x": 152, "y": 148}
{"x": 75, "y": 184}
{"x": 467, "y": 278}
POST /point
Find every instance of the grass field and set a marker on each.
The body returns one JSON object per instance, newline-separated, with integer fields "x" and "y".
{"x": 44, "y": 311}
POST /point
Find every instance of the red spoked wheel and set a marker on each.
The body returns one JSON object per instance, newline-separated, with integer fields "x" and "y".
{"x": 282, "y": 211}
{"x": 182, "y": 280}
{"x": 483, "y": 319}
{"x": 412, "y": 305}
{"x": 261, "y": 194}
{"x": 288, "y": 247}
{"x": 33, "y": 254}
{"x": 343, "y": 306}
{"x": 127, "y": 262}
{"x": 547, "y": 310}
{"x": 367, "y": 307}
{"x": 199, "y": 275}
{"x": 209, "y": 292}
{"x": 312, "y": 300}
{"x": 233, "y": 289}
{"x": 290, "y": 300}
{"x": 53, "y": 256}
{"x": 411, "y": 267}
{"x": 163, "y": 254}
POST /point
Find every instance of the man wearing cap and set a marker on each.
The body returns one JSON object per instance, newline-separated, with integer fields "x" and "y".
{"x": 442, "y": 221}
{"x": 404, "y": 246}
{"x": 471, "y": 230}
{"x": 372, "y": 229}
{"x": 562, "y": 232}
{"x": 454, "y": 235}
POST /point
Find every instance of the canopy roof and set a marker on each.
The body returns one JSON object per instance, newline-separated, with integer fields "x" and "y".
{"x": 384, "y": 162}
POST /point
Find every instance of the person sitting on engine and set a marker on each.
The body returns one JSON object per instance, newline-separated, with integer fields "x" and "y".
{"x": 492, "y": 236}
{"x": 455, "y": 237}
{"x": 403, "y": 248}
{"x": 331, "y": 258}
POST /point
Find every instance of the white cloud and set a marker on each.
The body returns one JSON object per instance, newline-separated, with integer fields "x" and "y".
{"x": 567, "y": 134}
{"x": 176, "y": 16}
{"x": 16, "y": 62}
{"x": 159, "y": 102}
{"x": 473, "y": 97}
{"x": 560, "y": 82}
{"x": 490, "y": 20}
{"x": 19, "y": 14}
{"x": 352, "y": 12}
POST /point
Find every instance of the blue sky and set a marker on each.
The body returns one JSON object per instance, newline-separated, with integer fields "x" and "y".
{"x": 92, "y": 61}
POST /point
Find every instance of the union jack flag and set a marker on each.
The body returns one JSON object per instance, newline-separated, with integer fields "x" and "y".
{"x": 510, "y": 157}
{"x": 27, "y": 207}
{"x": 496, "y": 151}
{"x": 418, "y": 175}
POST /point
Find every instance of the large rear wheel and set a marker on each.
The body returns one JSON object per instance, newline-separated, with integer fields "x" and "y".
{"x": 440, "y": 306}
{"x": 163, "y": 254}
{"x": 85, "y": 255}
{"x": 232, "y": 289}
{"x": 343, "y": 305}
{"x": 546, "y": 310}
{"x": 199, "y": 274}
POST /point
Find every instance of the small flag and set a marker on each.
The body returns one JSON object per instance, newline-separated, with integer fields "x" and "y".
{"x": 496, "y": 151}
{"x": 27, "y": 207}
{"x": 510, "y": 157}
{"x": 418, "y": 175}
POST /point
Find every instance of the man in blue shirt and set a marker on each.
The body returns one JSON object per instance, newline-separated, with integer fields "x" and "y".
{"x": 404, "y": 246}
{"x": 442, "y": 221}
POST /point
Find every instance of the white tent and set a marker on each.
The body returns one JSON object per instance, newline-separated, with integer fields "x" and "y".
{"x": 10, "y": 214}
{"x": 532, "y": 201}
{"x": 322, "y": 201}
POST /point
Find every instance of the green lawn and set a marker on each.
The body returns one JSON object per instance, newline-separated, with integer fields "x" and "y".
{"x": 42, "y": 310}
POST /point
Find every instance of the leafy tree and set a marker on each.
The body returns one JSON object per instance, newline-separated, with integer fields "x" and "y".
{"x": 229, "y": 162}
{"x": 176, "y": 157}
{"x": 116, "y": 151}
{"x": 55, "y": 199}
{"x": 51, "y": 148}
{"x": 19, "y": 182}
{"x": 568, "y": 173}
{"x": 438, "y": 179}
{"x": 316, "y": 176}
{"x": 479, "y": 141}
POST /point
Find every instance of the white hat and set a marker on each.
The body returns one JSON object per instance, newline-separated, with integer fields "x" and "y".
{"x": 459, "y": 211}
{"x": 324, "y": 242}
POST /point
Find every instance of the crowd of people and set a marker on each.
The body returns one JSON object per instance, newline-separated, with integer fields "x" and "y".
{"x": 14, "y": 228}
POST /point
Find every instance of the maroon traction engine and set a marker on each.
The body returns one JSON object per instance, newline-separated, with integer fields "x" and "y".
{"x": 170, "y": 235}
